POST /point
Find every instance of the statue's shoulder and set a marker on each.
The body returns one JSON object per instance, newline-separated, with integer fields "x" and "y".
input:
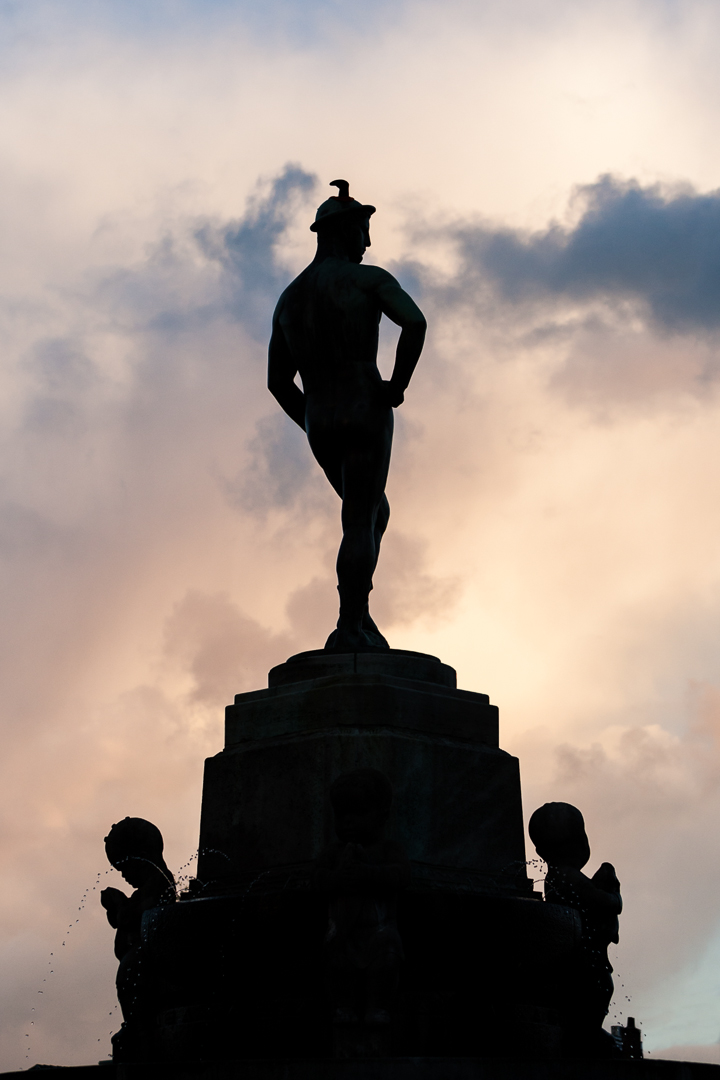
{"x": 293, "y": 292}
{"x": 375, "y": 274}
{"x": 373, "y": 277}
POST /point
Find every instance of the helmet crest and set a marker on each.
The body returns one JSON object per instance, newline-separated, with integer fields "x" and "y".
{"x": 339, "y": 206}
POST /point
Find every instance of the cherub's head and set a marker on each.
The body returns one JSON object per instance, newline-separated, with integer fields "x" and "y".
{"x": 134, "y": 846}
{"x": 557, "y": 830}
{"x": 361, "y": 800}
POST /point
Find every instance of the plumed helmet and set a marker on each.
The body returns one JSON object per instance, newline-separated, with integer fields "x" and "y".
{"x": 338, "y": 206}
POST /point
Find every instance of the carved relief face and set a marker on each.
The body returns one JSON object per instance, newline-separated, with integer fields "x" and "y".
{"x": 358, "y": 819}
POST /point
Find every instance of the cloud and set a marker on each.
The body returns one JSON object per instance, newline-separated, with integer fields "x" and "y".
{"x": 622, "y": 296}
{"x": 280, "y": 472}
{"x": 650, "y": 249}
{"x": 247, "y": 250}
{"x": 168, "y": 538}
{"x": 165, "y": 535}
{"x": 220, "y": 648}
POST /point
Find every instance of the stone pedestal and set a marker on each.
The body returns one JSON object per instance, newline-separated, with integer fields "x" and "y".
{"x": 241, "y": 958}
{"x": 237, "y": 966}
{"x": 457, "y": 808}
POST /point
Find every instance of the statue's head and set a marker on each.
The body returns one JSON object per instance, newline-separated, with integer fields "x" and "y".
{"x": 343, "y": 223}
{"x": 134, "y": 846}
{"x": 361, "y": 800}
{"x": 557, "y": 830}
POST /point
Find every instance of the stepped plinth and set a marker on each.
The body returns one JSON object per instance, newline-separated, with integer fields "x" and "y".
{"x": 242, "y": 955}
{"x": 457, "y": 807}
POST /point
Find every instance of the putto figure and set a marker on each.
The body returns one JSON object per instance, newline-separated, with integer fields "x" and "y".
{"x": 134, "y": 846}
{"x": 325, "y": 328}
{"x": 558, "y": 832}
{"x": 361, "y": 874}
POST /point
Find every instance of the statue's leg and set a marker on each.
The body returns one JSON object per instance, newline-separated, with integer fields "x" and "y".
{"x": 355, "y": 564}
{"x": 381, "y": 524}
{"x": 355, "y": 457}
{"x": 365, "y": 513}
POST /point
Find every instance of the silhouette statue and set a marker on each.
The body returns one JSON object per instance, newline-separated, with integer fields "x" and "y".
{"x": 361, "y": 873}
{"x": 325, "y": 328}
{"x": 135, "y": 848}
{"x": 558, "y": 832}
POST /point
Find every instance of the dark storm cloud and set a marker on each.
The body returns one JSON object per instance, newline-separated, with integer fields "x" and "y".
{"x": 208, "y": 270}
{"x": 654, "y": 248}
{"x": 247, "y": 249}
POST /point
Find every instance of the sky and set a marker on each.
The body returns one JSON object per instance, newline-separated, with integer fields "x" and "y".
{"x": 547, "y": 178}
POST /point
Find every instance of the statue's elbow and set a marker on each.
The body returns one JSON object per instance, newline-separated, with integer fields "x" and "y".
{"x": 419, "y": 326}
{"x": 275, "y": 385}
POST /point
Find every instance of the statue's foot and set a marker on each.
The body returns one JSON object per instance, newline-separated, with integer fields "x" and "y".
{"x": 367, "y": 637}
{"x": 349, "y": 640}
{"x": 342, "y": 640}
{"x": 369, "y": 627}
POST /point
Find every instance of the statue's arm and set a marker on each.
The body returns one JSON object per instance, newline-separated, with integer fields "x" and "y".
{"x": 404, "y": 312}
{"x": 282, "y": 370}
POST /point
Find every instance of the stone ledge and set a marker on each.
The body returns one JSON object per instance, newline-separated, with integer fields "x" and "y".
{"x": 366, "y": 701}
{"x": 400, "y": 663}
{"x": 456, "y": 804}
{"x": 391, "y": 1069}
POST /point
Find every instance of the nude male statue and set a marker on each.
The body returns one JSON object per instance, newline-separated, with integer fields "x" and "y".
{"x": 325, "y": 328}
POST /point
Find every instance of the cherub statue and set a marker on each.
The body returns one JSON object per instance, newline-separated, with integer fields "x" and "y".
{"x": 135, "y": 848}
{"x": 362, "y": 873}
{"x": 558, "y": 833}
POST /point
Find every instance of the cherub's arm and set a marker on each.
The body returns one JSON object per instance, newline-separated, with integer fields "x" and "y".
{"x": 282, "y": 370}
{"x": 592, "y": 895}
{"x": 606, "y": 880}
{"x": 115, "y": 902}
{"x": 402, "y": 310}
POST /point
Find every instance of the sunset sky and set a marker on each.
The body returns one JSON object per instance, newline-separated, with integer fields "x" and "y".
{"x": 546, "y": 175}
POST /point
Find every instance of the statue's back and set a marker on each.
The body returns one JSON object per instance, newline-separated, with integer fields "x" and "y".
{"x": 329, "y": 316}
